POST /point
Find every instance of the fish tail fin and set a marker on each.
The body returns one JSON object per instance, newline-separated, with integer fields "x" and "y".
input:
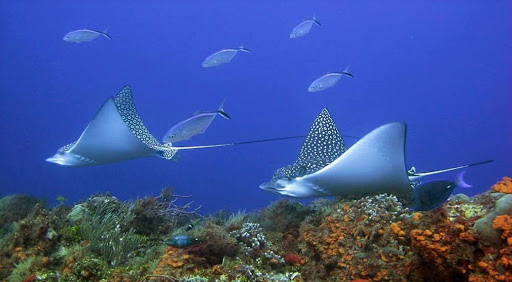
{"x": 459, "y": 180}
{"x": 243, "y": 49}
{"x": 315, "y": 21}
{"x": 104, "y": 33}
{"x": 345, "y": 71}
{"x": 221, "y": 111}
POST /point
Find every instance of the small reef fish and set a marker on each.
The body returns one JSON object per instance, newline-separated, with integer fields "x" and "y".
{"x": 182, "y": 241}
{"x": 328, "y": 80}
{"x": 194, "y": 125}
{"x": 193, "y": 224}
{"x": 223, "y": 56}
{"x": 304, "y": 27}
{"x": 85, "y": 35}
{"x": 432, "y": 194}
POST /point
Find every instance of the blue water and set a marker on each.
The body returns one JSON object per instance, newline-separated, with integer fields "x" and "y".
{"x": 444, "y": 67}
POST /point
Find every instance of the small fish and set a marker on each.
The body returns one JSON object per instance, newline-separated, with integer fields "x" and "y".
{"x": 85, "y": 35}
{"x": 304, "y": 27}
{"x": 182, "y": 241}
{"x": 431, "y": 194}
{"x": 328, "y": 80}
{"x": 223, "y": 56}
{"x": 193, "y": 224}
{"x": 194, "y": 125}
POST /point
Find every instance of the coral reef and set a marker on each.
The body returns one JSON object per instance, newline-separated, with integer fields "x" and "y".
{"x": 14, "y": 208}
{"x": 372, "y": 238}
{"x": 503, "y": 186}
{"x": 484, "y": 225}
{"x": 358, "y": 239}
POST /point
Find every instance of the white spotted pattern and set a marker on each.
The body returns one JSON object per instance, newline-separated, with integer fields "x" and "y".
{"x": 322, "y": 146}
{"x": 129, "y": 114}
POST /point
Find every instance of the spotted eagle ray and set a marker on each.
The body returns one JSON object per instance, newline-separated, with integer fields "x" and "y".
{"x": 373, "y": 165}
{"x": 117, "y": 133}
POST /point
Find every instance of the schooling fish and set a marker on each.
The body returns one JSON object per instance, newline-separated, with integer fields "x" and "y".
{"x": 223, "y": 56}
{"x": 194, "y": 125}
{"x": 85, "y": 35}
{"x": 182, "y": 241}
{"x": 432, "y": 194}
{"x": 304, "y": 27}
{"x": 328, "y": 80}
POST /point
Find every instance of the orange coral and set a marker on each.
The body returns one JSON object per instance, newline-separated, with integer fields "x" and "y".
{"x": 381, "y": 275}
{"x": 176, "y": 260}
{"x": 467, "y": 236}
{"x": 432, "y": 245}
{"x": 503, "y": 186}
{"x": 394, "y": 227}
{"x": 503, "y": 222}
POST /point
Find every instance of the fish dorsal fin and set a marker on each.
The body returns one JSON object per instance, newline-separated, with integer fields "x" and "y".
{"x": 323, "y": 143}
{"x": 126, "y": 108}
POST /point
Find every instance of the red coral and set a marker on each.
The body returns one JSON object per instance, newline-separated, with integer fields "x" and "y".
{"x": 293, "y": 258}
{"x": 30, "y": 278}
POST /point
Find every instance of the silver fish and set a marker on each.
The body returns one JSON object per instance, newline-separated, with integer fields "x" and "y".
{"x": 328, "y": 80}
{"x": 84, "y": 35}
{"x": 223, "y": 56}
{"x": 194, "y": 125}
{"x": 118, "y": 134}
{"x": 304, "y": 27}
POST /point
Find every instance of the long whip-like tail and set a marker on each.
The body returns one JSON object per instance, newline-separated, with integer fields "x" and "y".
{"x": 234, "y": 143}
{"x": 415, "y": 175}
{"x": 242, "y": 143}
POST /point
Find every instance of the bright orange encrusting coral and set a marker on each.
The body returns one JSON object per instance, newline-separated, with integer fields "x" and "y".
{"x": 432, "y": 246}
{"x": 503, "y": 222}
{"x": 503, "y": 186}
{"x": 176, "y": 260}
{"x": 501, "y": 269}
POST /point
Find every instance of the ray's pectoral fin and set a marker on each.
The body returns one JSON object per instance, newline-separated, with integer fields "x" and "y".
{"x": 375, "y": 164}
{"x": 115, "y": 134}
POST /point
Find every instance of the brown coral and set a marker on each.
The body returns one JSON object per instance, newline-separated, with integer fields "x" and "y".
{"x": 177, "y": 260}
